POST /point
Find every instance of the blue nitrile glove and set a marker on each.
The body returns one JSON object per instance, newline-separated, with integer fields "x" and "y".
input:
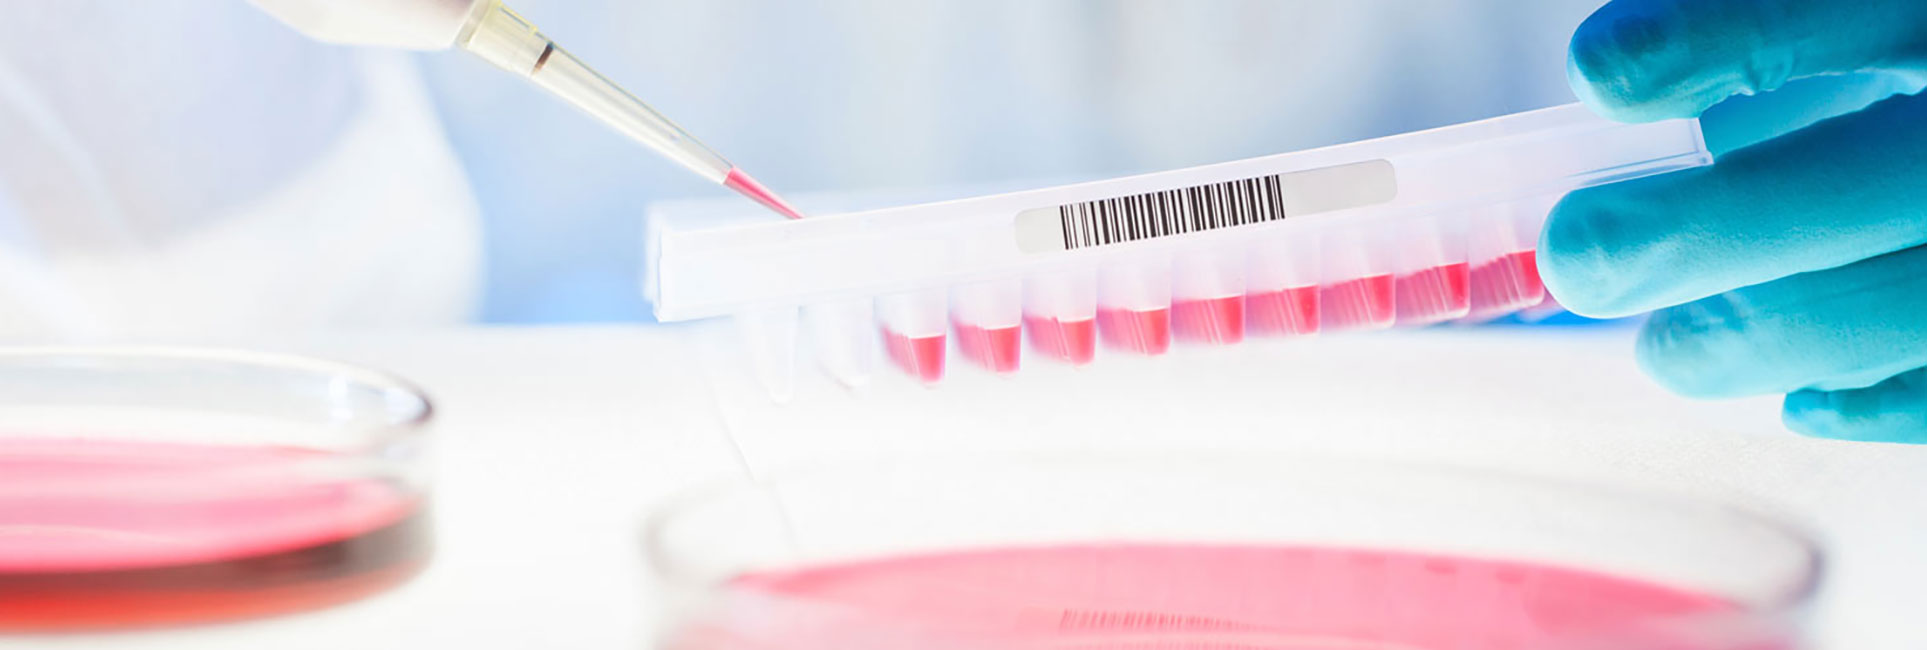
{"x": 1793, "y": 264}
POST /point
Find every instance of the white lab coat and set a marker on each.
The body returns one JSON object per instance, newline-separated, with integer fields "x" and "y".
{"x": 192, "y": 167}
{"x": 188, "y": 169}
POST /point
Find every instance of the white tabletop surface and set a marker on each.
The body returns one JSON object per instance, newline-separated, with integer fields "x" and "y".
{"x": 554, "y": 443}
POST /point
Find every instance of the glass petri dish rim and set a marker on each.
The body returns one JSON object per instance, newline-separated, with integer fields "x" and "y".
{"x": 414, "y": 423}
{"x": 669, "y": 569}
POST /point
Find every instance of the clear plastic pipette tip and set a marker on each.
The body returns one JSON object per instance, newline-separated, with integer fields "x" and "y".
{"x": 505, "y": 39}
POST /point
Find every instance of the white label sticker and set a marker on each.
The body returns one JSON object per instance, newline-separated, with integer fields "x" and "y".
{"x": 1205, "y": 207}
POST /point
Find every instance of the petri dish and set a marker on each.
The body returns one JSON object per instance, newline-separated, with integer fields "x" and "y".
{"x": 166, "y": 486}
{"x": 1216, "y": 552}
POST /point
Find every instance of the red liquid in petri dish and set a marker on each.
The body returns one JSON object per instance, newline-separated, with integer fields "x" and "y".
{"x": 921, "y": 357}
{"x": 1206, "y": 597}
{"x": 1219, "y": 321}
{"x": 1292, "y": 311}
{"x": 1070, "y": 341}
{"x": 994, "y": 348}
{"x": 1434, "y": 295}
{"x": 1364, "y": 303}
{"x": 104, "y": 534}
{"x": 1140, "y": 331}
{"x": 1505, "y": 285}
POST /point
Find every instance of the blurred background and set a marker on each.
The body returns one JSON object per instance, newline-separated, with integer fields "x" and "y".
{"x": 179, "y": 167}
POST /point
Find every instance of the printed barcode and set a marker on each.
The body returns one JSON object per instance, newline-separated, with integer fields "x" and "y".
{"x": 1055, "y": 227}
{"x": 1172, "y": 212}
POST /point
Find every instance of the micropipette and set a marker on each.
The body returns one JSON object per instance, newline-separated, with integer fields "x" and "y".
{"x": 500, "y": 36}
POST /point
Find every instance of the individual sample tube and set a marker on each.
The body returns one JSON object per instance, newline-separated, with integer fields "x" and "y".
{"x": 845, "y": 339}
{"x": 1282, "y": 296}
{"x": 1208, "y": 295}
{"x": 913, "y": 326}
{"x": 1505, "y": 266}
{"x": 1060, "y": 313}
{"x": 988, "y": 318}
{"x": 1358, "y": 290}
{"x": 1432, "y": 284}
{"x": 1134, "y": 304}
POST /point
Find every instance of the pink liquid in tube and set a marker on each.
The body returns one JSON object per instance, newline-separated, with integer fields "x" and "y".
{"x": 1209, "y": 597}
{"x": 1145, "y": 331}
{"x": 1364, "y": 303}
{"x": 1218, "y": 321}
{"x": 1292, "y": 311}
{"x": 115, "y": 533}
{"x": 1434, "y": 295}
{"x": 1507, "y": 284}
{"x": 1069, "y": 341}
{"x": 994, "y": 348}
{"x": 920, "y": 357}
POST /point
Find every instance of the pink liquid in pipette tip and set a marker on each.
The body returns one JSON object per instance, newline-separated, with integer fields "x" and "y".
{"x": 1218, "y": 321}
{"x": 920, "y": 357}
{"x": 108, "y": 533}
{"x": 992, "y": 348}
{"x": 1505, "y": 285}
{"x": 1292, "y": 311}
{"x": 1210, "y": 597}
{"x": 1146, "y": 331}
{"x": 1070, "y": 341}
{"x": 1434, "y": 295}
{"x": 741, "y": 182}
{"x": 1364, "y": 303}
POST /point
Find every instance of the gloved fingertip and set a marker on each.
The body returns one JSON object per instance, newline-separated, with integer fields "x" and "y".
{"x": 1682, "y": 349}
{"x": 1891, "y": 411}
{"x": 1581, "y": 258}
{"x": 1626, "y": 63}
{"x": 1813, "y": 414}
{"x": 1803, "y": 408}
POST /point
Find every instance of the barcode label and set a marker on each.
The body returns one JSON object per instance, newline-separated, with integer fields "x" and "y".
{"x": 1204, "y": 207}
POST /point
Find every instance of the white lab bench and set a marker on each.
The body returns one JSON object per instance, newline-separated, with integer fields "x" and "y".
{"x": 554, "y": 443}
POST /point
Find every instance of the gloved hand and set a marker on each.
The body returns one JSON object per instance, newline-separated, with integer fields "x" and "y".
{"x": 1794, "y": 263}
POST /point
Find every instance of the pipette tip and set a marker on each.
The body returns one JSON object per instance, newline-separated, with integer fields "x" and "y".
{"x": 741, "y": 182}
